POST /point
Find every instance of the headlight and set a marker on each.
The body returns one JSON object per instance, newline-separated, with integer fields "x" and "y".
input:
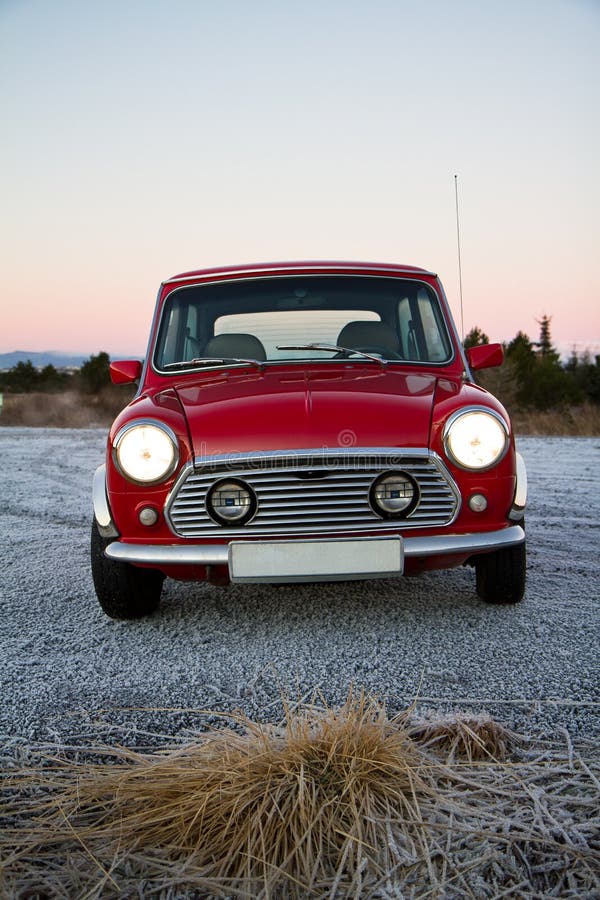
{"x": 146, "y": 452}
{"x": 231, "y": 502}
{"x": 475, "y": 438}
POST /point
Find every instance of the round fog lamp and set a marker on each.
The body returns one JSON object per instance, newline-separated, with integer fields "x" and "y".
{"x": 231, "y": 502}
{"x": 478, "y": 503}
{"x": 394, "y": 495}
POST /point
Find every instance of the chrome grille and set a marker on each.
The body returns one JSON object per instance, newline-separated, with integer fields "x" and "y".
{"x": 309, "y": 492}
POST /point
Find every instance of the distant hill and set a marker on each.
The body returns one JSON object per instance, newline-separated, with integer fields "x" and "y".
{"x": 41, "y": 359}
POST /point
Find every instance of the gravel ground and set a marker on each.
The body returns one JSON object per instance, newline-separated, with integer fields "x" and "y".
{"x": 66, "y": 670}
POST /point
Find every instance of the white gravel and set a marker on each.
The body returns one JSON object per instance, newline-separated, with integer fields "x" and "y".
{"x": 67, "y": 670}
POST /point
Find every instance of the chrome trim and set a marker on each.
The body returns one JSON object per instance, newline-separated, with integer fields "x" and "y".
{"x": 289, "y": 267}
{"x": 102, "y": 512}
{"x": 153, "y": 330}
{"x": 218, "y": 554}
{"x": 481, "y": 542}
{"x": 135, "y": 423}
{"x": 169, "y": 554}
{"x": 475, "y": 408}
{"x": 448, "y": 322}
{"x": 391, "y": 455}
{"x": 520, "y": 500}
{"x": 288, "y": 505}
{"x": 454, "y": 333}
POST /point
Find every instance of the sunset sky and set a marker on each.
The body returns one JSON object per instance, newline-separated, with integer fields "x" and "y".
{"x": 141, "y": 139}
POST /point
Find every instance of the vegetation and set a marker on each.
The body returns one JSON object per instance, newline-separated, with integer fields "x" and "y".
{"x": 534, "y": 381}
{"x": 80, "y": 399}
{"x": 24, "y": 378}
{"x": 338, "y": 803}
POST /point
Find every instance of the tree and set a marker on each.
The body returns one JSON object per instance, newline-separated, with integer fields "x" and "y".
{"x": 520, "y": 358}
{"x": 51, "y": 380}
{"x": 475, "y": 337}
{"x": 23, "y": 377}
{"x": 95, "y": 374}
{"x": 546, "y": 349}
{"x": 552, "y": 386}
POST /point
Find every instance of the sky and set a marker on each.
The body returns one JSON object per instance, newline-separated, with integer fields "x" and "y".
{"x": 142, "y": 139}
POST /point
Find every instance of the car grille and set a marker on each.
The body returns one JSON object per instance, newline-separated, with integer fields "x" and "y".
{"x": 311, "y": 492}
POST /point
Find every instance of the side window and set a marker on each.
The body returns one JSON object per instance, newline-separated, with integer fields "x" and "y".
{"x": 437, "y": 351}
{"x": 422, "y": 330}
{"x": 408, "y": 332}
{"x": 191, "y": 343}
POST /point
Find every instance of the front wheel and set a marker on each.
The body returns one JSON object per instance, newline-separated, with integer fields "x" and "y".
{"x": 501, "y": 575}
{"x": 124, "y": 591}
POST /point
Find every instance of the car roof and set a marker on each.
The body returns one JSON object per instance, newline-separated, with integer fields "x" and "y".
{"x": 308, "y": 267}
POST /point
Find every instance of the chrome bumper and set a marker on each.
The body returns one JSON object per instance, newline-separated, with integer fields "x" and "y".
{"x": 102, "y": 513}
{"x": 218, "y": 554}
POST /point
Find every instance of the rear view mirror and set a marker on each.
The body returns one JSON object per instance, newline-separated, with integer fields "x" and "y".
{"x": 125, "y": 371}
{"x": 485, "y": 356}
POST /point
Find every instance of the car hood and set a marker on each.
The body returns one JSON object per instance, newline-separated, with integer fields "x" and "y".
{"x": 241, "y": 412}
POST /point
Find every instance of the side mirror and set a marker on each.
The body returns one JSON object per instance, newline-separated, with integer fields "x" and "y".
{"x": 125, "y": 371}
{"x": 485, "y": 356}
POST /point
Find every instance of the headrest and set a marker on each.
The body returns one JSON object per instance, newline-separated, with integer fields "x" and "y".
{"x": 368, "y": 334}
{"x": 240, "y": 346}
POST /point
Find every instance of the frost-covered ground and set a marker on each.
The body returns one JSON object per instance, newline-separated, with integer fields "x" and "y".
{"x": 66, "y": 670}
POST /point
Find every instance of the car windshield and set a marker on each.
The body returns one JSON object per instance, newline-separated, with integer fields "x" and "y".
{"x": 329, "y": 318}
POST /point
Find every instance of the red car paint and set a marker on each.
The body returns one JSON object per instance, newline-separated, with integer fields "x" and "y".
{"x": 289, "y": 406}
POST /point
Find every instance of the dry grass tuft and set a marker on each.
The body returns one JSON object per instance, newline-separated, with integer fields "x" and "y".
{"x": 338, "y": 803}
{"x": 462, "y": 737}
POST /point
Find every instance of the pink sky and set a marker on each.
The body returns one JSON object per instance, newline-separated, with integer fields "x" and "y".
{"x": 146, "y": 140}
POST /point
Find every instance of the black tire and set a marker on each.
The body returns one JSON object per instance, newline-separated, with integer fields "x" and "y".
{"x": 124, "y": 591}
{"x": 501, "y": 575}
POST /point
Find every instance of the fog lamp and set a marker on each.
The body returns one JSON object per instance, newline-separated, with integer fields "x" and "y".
{"x": 231, "y": 502}
{"x": 394, "y": 495}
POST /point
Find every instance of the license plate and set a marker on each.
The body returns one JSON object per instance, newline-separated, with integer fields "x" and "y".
{"x": 316, "y": 560}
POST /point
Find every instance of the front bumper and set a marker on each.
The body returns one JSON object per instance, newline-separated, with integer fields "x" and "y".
{"x": 220, "y": 554}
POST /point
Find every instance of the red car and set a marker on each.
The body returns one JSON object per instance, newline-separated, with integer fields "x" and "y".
{"x": 306, "y": 421}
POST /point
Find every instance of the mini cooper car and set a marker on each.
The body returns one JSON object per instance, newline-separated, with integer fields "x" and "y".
{"x": 306, "y": 421}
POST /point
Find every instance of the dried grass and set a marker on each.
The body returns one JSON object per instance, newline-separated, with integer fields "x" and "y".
{"x": 68, "y": 409}
{"x": 458, "y": 737}
{"x": 570, "y": 421}
{"x": 336, "y": 803}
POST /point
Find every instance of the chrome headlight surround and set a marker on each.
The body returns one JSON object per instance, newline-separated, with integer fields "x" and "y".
{"x": 476, "y": 438}
{"x": 152, "y": 441}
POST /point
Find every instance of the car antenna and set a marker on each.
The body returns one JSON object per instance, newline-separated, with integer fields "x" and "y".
{"x": 462, "y": 318}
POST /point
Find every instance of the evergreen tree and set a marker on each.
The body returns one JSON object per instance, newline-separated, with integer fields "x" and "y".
{"x": 23, "y": 377}
{"x": 551, "y": 386}
{"x": 51, "y": 379}
{"x": 95, "y": 374}
{"x": 520, "y": 357}
{"x": 544, "y": 345}
{"x": 475, "y": 337}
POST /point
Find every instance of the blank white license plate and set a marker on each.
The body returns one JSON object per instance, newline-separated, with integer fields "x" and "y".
{"x": 316, "y": 560}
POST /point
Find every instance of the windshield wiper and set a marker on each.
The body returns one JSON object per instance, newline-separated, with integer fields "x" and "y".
{"x": 199, "y": 362}
{"x": 347, "y": 351}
